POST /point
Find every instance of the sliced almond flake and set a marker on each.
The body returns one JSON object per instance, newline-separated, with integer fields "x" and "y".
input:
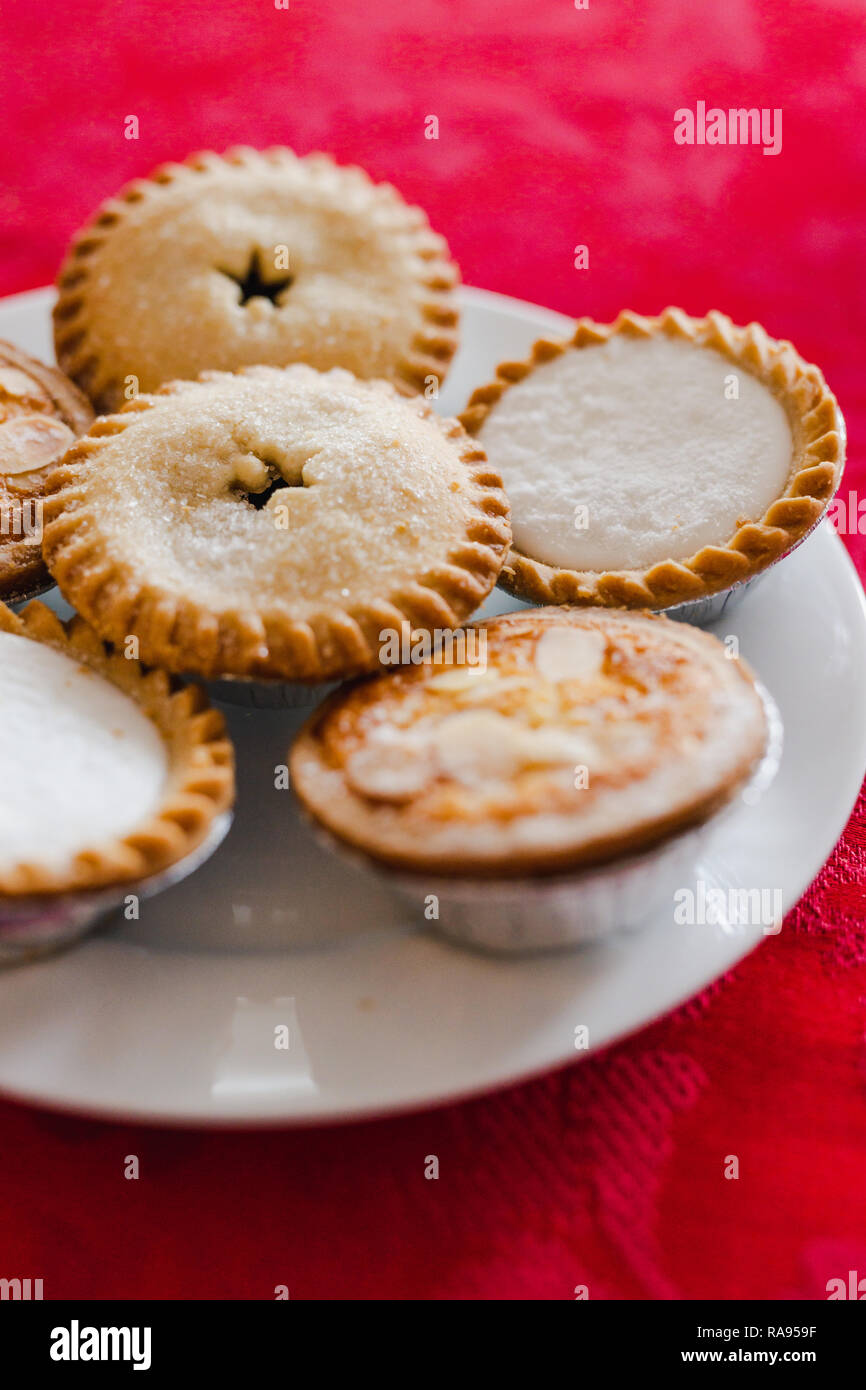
{"x": 31, "y": 442}
{"x": 18, "y": 385}
{"x": 570, "y": 653}
{"x": 478, "y": 746}
{"x": 391, "y": 770}
{"x": 460, "y": 678}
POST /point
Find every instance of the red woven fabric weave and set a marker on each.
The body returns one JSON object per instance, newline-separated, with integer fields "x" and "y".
{"x": 555, "y": 129}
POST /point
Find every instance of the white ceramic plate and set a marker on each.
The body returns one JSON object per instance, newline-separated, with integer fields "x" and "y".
{"x": 171, "y": 1019}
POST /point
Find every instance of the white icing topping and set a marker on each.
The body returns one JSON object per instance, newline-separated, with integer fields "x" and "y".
{"x": 642, "y": 434}
{"x": 80, "y": 764}
{"x": 570, "y": 653}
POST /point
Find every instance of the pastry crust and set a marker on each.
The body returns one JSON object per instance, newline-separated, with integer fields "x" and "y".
{"x": 816, "y": 468}
{"x": 200, "y": 765}
{"x": 31, "y": 393}
{"x": 394, "y": 520}
{"x": 371, "y": 287}
{"x": 589, "y": 735}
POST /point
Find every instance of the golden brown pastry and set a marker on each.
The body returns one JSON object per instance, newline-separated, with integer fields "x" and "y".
{"x": 276, "y": 524}
{"x": 254, "y": 257}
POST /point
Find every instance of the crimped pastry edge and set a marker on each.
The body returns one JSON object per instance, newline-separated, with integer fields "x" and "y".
{"x": 22, "y": 569}
{"x": 816, "y": 469}
{"x": 430, "y": 352}
{"x": 201, "y": 765}
{"x": 349, "y": 839}
{"x": 180, "y": 636}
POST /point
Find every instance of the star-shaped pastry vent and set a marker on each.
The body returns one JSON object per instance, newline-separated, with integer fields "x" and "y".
{"x": 260, "y": 500}
{"x": 253, "y": 284}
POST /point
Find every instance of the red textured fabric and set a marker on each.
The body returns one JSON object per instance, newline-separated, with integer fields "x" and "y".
{"x": 556, "y": 129}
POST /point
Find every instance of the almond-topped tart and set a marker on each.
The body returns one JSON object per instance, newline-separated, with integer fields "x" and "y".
{"x": 108, "y": 775}
{"x": 573, "y": 738}
{"x": 657, "y": 461}
{"x": 254, "y": 257}
{"x": 274, "y": 524}
{"x": 41, "y": 414}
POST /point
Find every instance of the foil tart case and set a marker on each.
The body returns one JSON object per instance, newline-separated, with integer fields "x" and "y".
{"x": 19, "y": 600}
{"x": 250, "y": 694}
{"x": 36, "y": 926}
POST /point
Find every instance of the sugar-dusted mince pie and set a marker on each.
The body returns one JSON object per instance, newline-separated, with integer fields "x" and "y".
{"x": 107, "y": 774}
{"x": 574, "y": 738}
{"x": 657, "y": 460}
{"x": 41, "y": 414}
{"x": 274, "y": 524}
{"x": 254, "y": 257}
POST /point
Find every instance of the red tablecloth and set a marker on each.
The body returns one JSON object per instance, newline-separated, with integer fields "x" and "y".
{"x": 555, "y": 129}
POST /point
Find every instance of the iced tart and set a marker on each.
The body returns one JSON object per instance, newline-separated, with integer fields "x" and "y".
{"x": 41, "y": 414}
{"x": 656, "y": 460}
{"x": 107, "y": 773}
{"x": 275, "y": 524}
{"x": 557, "y": 738}
{"x": 254, "y": 257}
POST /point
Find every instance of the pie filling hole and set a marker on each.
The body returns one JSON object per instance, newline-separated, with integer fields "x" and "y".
{"x": 261, "y": 499}
{"x": 253, "y": 285}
